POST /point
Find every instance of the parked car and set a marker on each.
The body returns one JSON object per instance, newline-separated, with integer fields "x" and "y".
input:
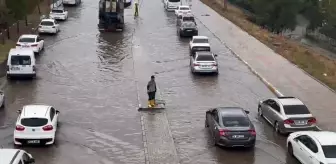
{"x": 230, "y": 127}
{"x": 15, "y": 156}
{"x": 287, "y": 114}
{"x": 21, "y": 63}
{"x": 187, "y": 29}
{"x": 203, "y": 62}
{"x": 182, "y": 10}
{"x": 58, "y": 14}
{"x": 33, "y": 42}
{"x": 312, "y": 147}
{"x": 36, "y": 124}
{"x": 199, "y": 43}
{"x": 49, "y": 26}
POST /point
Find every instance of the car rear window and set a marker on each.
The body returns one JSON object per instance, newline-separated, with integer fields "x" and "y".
{"x": 189, "y": 19}
{"x": 295, "y": 109}
{"x": 329, "y": 151}
{"x": 200, "y": 41}
{"x": 47, "y": 23}
{"x": 205, "y": 58}
{"x": 235, "y": 121}
{"x": 57, "y": 11}
{"x": 27, "y": 40}
{"x": 34, "y": 122}
{"x": 20, "y": 60}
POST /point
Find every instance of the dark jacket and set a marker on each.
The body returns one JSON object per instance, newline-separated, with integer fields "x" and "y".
{"x": 151, "y": 86}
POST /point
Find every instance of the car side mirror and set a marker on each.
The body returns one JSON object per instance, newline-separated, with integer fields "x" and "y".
{"x": 19, "y": 111}
{"x": 57, "y": 111}
{"x": 247, "y": 112}
{"x": 216, "y": 55}
{"x": 295, "y": 139}
{"x": 30, "y": 160}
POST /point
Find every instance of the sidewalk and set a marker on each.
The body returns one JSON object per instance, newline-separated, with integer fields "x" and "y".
{"x": 283, "y": 75}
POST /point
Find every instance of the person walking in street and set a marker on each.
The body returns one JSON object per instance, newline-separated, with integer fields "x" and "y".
{"x": 151, "y": 91}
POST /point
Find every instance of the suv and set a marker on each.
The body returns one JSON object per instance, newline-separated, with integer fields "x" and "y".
{"x": 185, "y": 18}
{"x": 15, "y": 156}
{"x": 287, "y": 114}
{"x": 188, "y": 29}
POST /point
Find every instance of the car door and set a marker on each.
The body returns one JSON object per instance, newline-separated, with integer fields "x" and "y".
{"x": 209, "y": 118}
{"x": 56, "y": 25}
{"x": 274, "y": 111}
{"x": 265, "y": 107}
{"x": 39, "y": 42}
{"x": 53, "y": 117}
{"x": 306, "y": 150}
{"x": 215, "y": 124}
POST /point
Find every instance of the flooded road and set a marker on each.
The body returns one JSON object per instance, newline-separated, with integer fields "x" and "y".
{"x": 93, "y": 79}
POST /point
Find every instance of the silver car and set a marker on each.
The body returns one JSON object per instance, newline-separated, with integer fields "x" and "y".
{"x": 287, "y": 114}
{"x": 203, "y": 62}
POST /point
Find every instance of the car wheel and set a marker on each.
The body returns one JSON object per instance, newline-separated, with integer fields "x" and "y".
{"x": 260, "y": 111}
{"x": 290, "y": 149}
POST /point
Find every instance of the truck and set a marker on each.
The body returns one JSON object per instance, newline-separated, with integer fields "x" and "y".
{"x": 111, "y": 14}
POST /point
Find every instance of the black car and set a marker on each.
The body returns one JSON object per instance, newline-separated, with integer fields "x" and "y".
{"x": 230, "y": 127}
{"x": 188, "y": 29}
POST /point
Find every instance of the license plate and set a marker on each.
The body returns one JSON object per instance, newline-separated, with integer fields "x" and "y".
{"x": 238, "y": 136}
{"x": 205, "y": 66}
{"x": 33, "y": 141}
{"x": 15, "y": 68}
{"x": 301, "y": 122}
{"x": 25, "y": 46}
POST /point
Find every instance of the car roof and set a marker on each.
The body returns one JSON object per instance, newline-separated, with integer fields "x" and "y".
{"x": 200, "y": 37}
{"x": 35, "y": 111}
{"x": 324, "y": 137}
{"x": 28, "y": 36}
{"x": 7, "y": 155}
{"x": 187, "y": 15}
{"x": 231, "y": 111}
{"x": 16, "y": 51}
{"x": 290, "y": 101}
{"x": 49, "y": 20}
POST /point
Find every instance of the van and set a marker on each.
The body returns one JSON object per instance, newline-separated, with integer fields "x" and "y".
{"x": 15, "y": 156}
{"x": 21, "y": 62}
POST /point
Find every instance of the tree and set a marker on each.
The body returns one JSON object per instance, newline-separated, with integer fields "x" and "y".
{"x": 276, "y": 15}
{"x": 312, "y": 11}
{"x": 5, "y": 17}
{"x": 17, "y": 8}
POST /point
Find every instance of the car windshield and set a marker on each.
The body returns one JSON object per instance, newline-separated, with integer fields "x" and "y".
{"x": 34, "y": 122}
{"x": 20, "y": 60}
{"x": 57, "y": 11}
{"x": 27, "y": 40}
{"x": 329, "y": 151}
{"x": 200, "y": 41}
{"x": 47, "y": 23}
{"x": 184, "y": 8}
{"x": 295, "y": 109}
{"x": 189, "y": 19}
{"x": 205, "y": 58}
{"x": 235, "y": 121}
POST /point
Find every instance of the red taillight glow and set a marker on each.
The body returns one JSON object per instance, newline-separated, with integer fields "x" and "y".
{"x": 223, "y": 132}
{"x": 214, "y": 64}
{"x": 312, "y": 121}
{"x": 34, "y": 45}
{"x": 19, "y": 128}
{"x": 48, "y": 128}
{"x": 18, "y": 44}
{"x": 288, "y": 121}
{"x": 253, "y": 132}
{"x": 195, "y": 64}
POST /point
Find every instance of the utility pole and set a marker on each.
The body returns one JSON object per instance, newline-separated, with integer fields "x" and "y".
{"x": 225, "y": 4}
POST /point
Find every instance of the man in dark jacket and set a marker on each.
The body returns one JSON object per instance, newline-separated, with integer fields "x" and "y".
{"x": 151, "y": 90}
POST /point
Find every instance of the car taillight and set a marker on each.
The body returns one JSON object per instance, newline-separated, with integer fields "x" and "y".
{"x": 18, "y": 44}
{"x": 34, "y": 45}
{"x": 288, "y": 121}
{"x": 223, "y": 132}
{"x": 214, "y": 64}
{"x": 19, "y": 128}
{"x": 48, "y": 128}
{"x": 312, "y": 121}
{"x": 34, "y": 68}
{"x": 252, "y": 132}
{"x": 195, "y": 64}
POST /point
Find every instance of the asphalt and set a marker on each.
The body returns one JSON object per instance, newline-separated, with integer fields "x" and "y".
{"x": 97, "y": 81}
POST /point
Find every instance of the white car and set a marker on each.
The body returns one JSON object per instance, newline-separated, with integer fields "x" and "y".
{"x": 313, "y": 147}
{"x": 49, "y": 26}
{"x": 36, "y": 124}
{"x": 58, "y": 14}
{"x": 33, "y": 42}
{"x": 72, "y": 2}
{"x": 182, "y": 10}
{"x": 203, "y": 62}
{"x": 199, "y": 43}
{"x": 15, "y": 156}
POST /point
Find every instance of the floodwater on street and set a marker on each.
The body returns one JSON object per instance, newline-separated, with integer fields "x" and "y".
{"x": 91, "y": 78}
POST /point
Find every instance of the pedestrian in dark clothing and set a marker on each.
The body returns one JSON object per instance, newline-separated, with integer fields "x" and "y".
{"x": 151, "y": 90}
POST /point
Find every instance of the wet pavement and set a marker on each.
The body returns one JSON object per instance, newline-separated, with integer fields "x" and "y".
{"x": 93, "y": 79}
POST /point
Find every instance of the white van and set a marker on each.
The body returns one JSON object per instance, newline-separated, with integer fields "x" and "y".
{"x": 21, "y": 62}
{"x": 172, "y": 5}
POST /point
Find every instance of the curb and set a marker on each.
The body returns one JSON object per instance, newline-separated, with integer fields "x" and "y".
{"x": 268, "y": 84}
